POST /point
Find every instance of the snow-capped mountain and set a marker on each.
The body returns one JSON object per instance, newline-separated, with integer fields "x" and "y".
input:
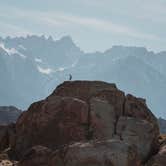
{"x": 31, "y": 67}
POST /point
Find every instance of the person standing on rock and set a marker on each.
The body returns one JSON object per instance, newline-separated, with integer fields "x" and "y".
{"x": 70, "y": 77}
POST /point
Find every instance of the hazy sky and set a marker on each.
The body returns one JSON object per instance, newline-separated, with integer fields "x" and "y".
{"x": 93, "y": 24}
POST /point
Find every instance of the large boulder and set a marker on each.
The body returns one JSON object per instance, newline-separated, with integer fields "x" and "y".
{"x": 106, "y": 107}
{"x": 139, "y": 133}
{"x": 61, "y": 118}
{"x": 103, "y": 119}
{"x": 143, "y": 119}
{"x": 106, "y": 153}
{"x": 96, "y": 153}
{"x": 52, "y": 123}
{"x": 84, "y": 110}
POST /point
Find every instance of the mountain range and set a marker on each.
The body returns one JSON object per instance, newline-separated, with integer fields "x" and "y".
{"x": 31, "y": 67}
{"x": 162, "y": 125}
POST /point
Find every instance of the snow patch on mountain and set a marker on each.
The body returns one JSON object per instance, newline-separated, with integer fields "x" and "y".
{"x": 11, "y": 51}
{"x": 60, "y": 69}
{"x": 38, "y": 60}
{"x": 22, "y": 47}
{"x": 42, "y": 70}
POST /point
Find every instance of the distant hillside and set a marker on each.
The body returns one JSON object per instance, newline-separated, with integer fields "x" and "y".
{"x": 31, "y": 67}
{"x": 162, "y": 124}
{"x": 8, "y": 114}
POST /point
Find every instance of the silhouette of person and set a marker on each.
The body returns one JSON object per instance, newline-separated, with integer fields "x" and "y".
{"x": 70, "y": 77}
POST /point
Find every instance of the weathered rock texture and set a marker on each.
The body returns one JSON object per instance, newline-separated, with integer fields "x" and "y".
{"x": 36, "y": 156}
{"x": 52, "y": 123}
{"x": 140, "y": 133}
{"x": 107, "y": 153}
{"x": 125, "y": 129}
{"x": 7, "y": 136}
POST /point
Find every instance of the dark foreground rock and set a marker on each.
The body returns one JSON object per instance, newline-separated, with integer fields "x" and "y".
{"x": 115, "y": 129}
{"x": 36, "y": 156}
{"x": 7, "y": 136}
{"x": 106, "y": 153}
{"x": 52, "y": 123}
{"x": 160, "y": 158}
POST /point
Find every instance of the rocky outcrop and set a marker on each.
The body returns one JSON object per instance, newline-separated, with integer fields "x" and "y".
{"x": 5, "y": 159}
{"x": 7, "y": 136}
{"x": 8, "y": 114}
{"x": 160, "y": 158}
{"x": 104, "y": 153}
{"x": 61, "y": 118}
{"x": 137, "y": 108}
{"x": 107, "y": 153}
{"x": 126, "y": 130}
{"x": 36, "y": 156}
{"x": 89, "y": 110}
{"x": 52, "y": 123}
{"x": 140, "y": 133}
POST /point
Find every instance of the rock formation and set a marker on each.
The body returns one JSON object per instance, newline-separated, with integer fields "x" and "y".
{"x": 7, "y": 136}
{"x": 85, "y": 123}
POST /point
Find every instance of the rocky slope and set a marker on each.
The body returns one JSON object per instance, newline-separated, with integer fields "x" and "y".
{"x": 85, "y": 123}
{"x": 8, "y": 114}
{"x": 49, "y": 62}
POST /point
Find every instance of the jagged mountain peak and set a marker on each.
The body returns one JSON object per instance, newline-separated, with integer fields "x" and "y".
{"x": 67, "y": 39}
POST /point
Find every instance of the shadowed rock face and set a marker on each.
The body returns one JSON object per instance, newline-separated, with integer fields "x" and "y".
{"x": 160, "y": 158}
{"x": 8, "y": 114}
{"x": 138, "y": 132}
{"x": 89, "y": 110}
{"x": 36, "y": 156}
{"x": 103, "y": 153}
{"x": 7, "y": 136}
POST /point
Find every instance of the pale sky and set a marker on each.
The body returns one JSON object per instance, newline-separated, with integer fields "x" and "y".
{"x": 94, "y": 25}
